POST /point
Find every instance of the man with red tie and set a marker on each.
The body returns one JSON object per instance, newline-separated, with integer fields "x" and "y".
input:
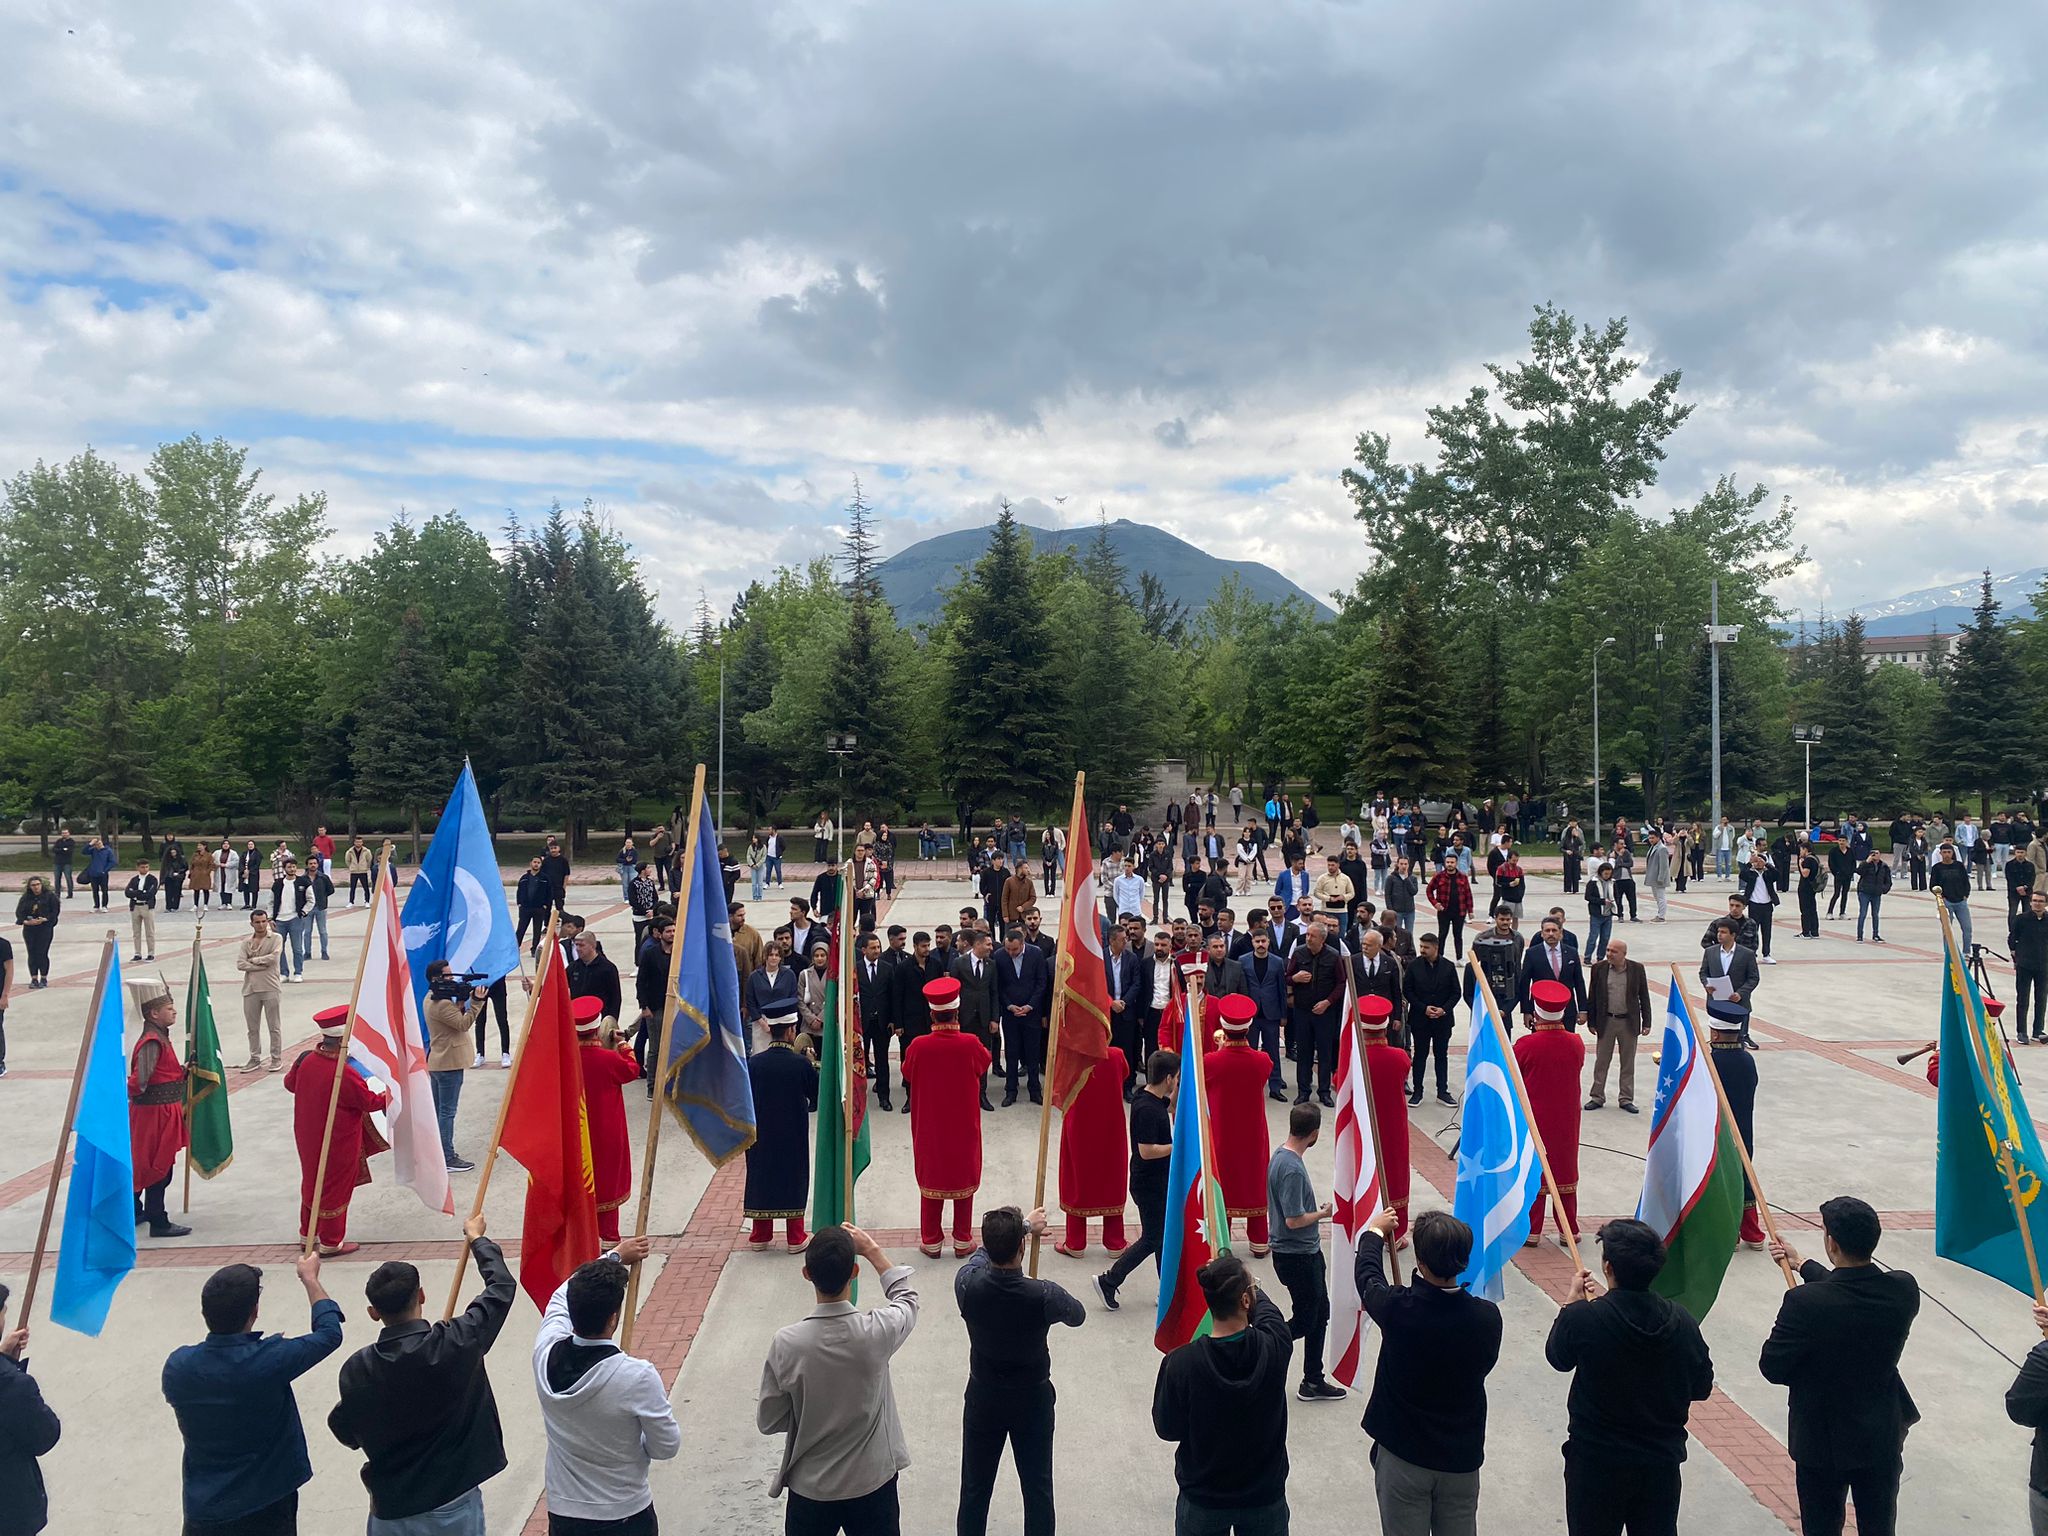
{"x": 1235, "y": 1076}
{"x": 606, "y": 1071}
{"x": 1386, "y": 1075}
{"x": 1553, "y": 1062}
{"x": 324, "y": 1211}
{"x": 1095, "y": 1156}
{"x": 943, "y": 1071}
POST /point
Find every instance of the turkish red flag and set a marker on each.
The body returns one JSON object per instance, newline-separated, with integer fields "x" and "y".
{"x": 1080, "y": 983}
{"x": 548, "y": 1130}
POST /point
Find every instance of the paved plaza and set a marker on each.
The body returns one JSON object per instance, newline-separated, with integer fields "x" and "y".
{"x": 1835, "y": 1114}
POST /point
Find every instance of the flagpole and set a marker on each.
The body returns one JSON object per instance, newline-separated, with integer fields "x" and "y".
{"x": 2004, "y": 1146}
{"x": 1529, "y": 1114}
{"x": 1705, "y": 1051}
{"x": 311, "y": 1236}
{"x": 1209, "y": 1175}
{"x": 551, "y": 956}
{"x": 1372, "y": 1120}
{"x": 85, "y": 1040}
{"x": 684, "y": 898}
{"x": 1069, "y": 920}
{"x": 847, "y": 1034}
{"x": 191, "y": 1037}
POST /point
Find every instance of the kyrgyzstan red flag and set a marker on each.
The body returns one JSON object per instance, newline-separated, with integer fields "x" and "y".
{"x": 1079, "y": 978}
{"x": 548, "y": 1131}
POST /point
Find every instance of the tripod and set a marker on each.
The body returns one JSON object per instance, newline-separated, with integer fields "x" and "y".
{"x": 1979, "y": 970}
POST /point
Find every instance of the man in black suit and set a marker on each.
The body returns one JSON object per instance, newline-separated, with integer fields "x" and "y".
{"x": 1836, "y": 1346}
{"x": 1126, "y": 1005}
{"x": 1044, "y": 943}
{"x": 1549, "y": 960}
{"x": 1023, "y": 988}
{"x": 875, "y": 986}
{"x": 1155, "y": 992}
{"x": 1225, "y": 976}
{"x": 1285, "y": 934}
{"x": 1431, "y": 991}
{"x": 913, "y": 1015}
{"x": 1375, "y": 973}
{"x": 976, "y": 972}
{"x": 1265, "y": 983}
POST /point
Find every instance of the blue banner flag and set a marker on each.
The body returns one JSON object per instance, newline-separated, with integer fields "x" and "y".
{"x": 707, "y": 1084}
{"x": 1986, "y": 1153}
{"x": 1498, "y": 1171}
{"x": 456, "y": 908}
{"x": 97, "y": 1248}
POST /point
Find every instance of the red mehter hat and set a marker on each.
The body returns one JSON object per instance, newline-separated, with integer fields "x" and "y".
{"x": 943, "y": 995}
{"x": 333, "y": 1021}
{"x": 1550, "y": 999}
{"x": 1374, "y": 1011}
{"x": 586, "y": 1012}
{"x": 1237, "y": 1012}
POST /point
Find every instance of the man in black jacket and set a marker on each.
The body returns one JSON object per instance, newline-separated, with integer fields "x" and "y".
{"x": 650, "y": 992}
{"x": 1225, "y": 975}
{"x": 976, "y": 973}
{"x": 1438, "y": 1344}
{"x": 1223, "y": 1399}
{"x": 1316, "y": 998}
{"x": 1375, "y": 973}
{"x": 1639, "y": 1365}
{"x": 1431, "y": 991}
{"x": 2027, "y": 937}
{"x": 874, "y": 985}
{"x": 554, "y": 869}
{"x": 2026, "y": 1403}
{"x": 1836, "y": 1346}
{"x": 28, "y": 1429}
{"x": 418, "y": 1402}
{"x": 1024, "y": 989}
{"x": 1126, "y": 1006}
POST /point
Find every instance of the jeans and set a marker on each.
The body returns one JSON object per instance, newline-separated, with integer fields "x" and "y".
{"x": 316, "y": 922}
{"x": 99, "y": 892}
{"x": 1450, "y": 926}
{"x": 447, "y": 1088}
{"x": 771, "y": 868}
{"x": 1023, "y": 1416}
{"x": 1605, "y": 1498}
{"x": 291, "y": 954}
{"x": 1867, "y": 903}
{"x": 1308, "y": 1293}
{"x": 758, "y": 875}
{"x": 872, "y": 1514}
{"x": 62, "y": 881}
{"x": 1724, "y": 863}
{"x": 1191, "y": 1519}
{"x": 458, "y": 1517}
{"x": 1601, "y": 930}
{"x": 1824, "y": 1492}
{"x": 1415, "y": 1501}
{"x": 1960, "y": 911}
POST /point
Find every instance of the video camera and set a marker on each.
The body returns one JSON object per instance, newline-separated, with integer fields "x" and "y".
{"x": 454, "y": 986}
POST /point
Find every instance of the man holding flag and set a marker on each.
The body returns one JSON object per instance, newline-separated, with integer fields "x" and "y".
{"x": 705, "y": 1078}
{"x": 1372, "y": 1140}
{"x": 1692, "y": 1179}
{"x": 1499, "y": 1173}
{"x": 455, "y": 909}
{"x": 545, "y": 1128}
{"x": 156, "y": 1107}
{"x": 340, "y": 1121}
{"x": 98, "y": 1245}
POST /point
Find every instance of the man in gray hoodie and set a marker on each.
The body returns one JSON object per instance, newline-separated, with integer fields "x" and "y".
{"x": 606, "y": 1412}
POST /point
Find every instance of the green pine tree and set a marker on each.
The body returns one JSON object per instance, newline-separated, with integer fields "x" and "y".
{"x": 1980, "y": 733}
{"x": 1854, "y": 762}
{"x": 1746, "y": 764}
{"x": 1414, "y": 736}
{"x": 404, "y": 753}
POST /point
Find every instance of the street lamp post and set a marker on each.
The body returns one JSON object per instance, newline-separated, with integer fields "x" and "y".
{"x": 1663, "y": 738}
{"x": 1597, "y": 822}
{"x": 1806, "y": 736}
{"x": 1718, "y": 635}
{"x": 840, "y": 744}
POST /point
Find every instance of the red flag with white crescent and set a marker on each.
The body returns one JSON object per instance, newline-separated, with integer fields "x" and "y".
{"x": 1080, "y": 978}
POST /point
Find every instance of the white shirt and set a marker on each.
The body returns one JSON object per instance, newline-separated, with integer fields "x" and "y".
{"x": 1760, "y": 891}
{"x": 1162, "y": 983}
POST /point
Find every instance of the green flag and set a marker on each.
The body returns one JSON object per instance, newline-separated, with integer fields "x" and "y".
{"x": 213, "y": 1140}
{"x": 842, "y": 1099}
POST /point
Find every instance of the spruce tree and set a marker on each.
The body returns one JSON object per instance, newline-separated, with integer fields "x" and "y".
{"x": 1414, "y": 739}
{"x": 404, "y": 752}
{"x": 868, "y": 705}
{"x": 1745, "y": 753}
{"x": 1980, "y": 733}
{"x": 1495, "y": 752}
{"x": 1113, "y": 743}
{"x": 1853, "y": 761}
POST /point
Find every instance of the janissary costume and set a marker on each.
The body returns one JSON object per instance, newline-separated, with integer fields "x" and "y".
{"x": 310, "y": 1082}
{"x": 1235, "y": 1076}
{"x": 1736, "y": 1067}
{"x": 1386, "y": 1075}
{"x": 779, "y": 1162}
{"x": 606, "y": 1071}
{"x": 1095, "y": 1156}
{"x": 944, "y": 1070}
{"x": 1553, "y": 1062}
{"x": 156, "y": 1105}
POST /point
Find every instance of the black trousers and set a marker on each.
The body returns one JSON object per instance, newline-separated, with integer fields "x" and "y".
{"x": 1573, "y": 863}
{"x": 1625, "y": 896}
{"x": 1809, "y": 913}
{"x": 1606, "y": 1498}
{"x": 1428, "y": 1037}
{"x": 2031, "y": 986}
{"x": 1453, "y": 925}
{"x": 877, "y": 1038}
{"x": 497, "y": 1003}
{"x": 1123, "y": 1034}
{"x": 278, "y": 1519}
{"x": 1023, "y": 1417}
{"x": 1151, "y": 1228}
{"x": 1838, "y": 898}
{"x": 1824, "y": 1493}
{"x": 99, "y": 894}
{"x": 872, "y": 1514}
{"x": 642, "y": 1524}
{"x": 1763, "y": 929}
{"x": 152, "y": 1198}
{"x": 3, "y": 1037}
{"x": 359, "y": 877}
{"x": 1315, "y": 1047}
{"x": 38, "y": 941}
{"x": 1306, "y": 1277}
{"x": 1023, "y": 1047}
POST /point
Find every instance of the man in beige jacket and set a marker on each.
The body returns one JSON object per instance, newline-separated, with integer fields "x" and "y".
{"x": 256, "y": 957}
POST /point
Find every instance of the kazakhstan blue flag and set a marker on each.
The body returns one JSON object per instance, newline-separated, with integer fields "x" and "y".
{"x": 98, "y": 1246}
{"x": 707, "y": 1084}
{"x": 1498, "y": 1171}
{"x": 1982, "y": 1130}
{"x": 456, "y": 908}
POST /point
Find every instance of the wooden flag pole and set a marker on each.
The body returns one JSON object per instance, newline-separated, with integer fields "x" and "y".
{"x": 191, "y": 1039}
{"x": 1535, "y": 1132}
{"x": 1756, "y": 1188}
{"x": 849, "y": 1031}
{"x": 85, "y": 1041}
{"x": 311, "y": 1236}
{"x": 1059, "y": 1010}
{"x": 1372, "y": 1120}
{"x": 550, "y": 957}
{"x": 1219, "y": 1221}
{"x": 684, "y": 900}
{"x": 2003, "y": 1144}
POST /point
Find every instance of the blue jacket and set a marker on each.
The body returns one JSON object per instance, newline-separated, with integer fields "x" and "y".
{"x": 232, "y": 1393}
{"x": 1032, "y": 989}
{"x": 28, "y": 1429}
{"x": 99, "y": 864}
{"x": 1269, "y": 991}
{"x": 1123, "y": 971}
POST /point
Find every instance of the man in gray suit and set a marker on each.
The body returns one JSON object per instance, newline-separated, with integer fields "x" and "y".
{"x": 1735, "y": 965}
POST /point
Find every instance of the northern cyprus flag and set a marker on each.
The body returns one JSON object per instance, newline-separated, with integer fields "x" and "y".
{"x": 1692, "y": 1180}
{"x": 385, "y": 1045}
{"x": 1355, "y": 1198}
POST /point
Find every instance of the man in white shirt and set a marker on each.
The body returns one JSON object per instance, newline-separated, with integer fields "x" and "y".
{"x": 1127, "y": 893}
{"x": 606, "y": 1413}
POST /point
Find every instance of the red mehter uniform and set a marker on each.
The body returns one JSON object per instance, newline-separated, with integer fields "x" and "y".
{"x": 310, "y": 1082}
{"x": 1386, "y": 1074}
{"x": 156, "y": 1108}
{"x": 605, "y": 1074}
{"x": 944, "y": 1070}
{"x": 1553, "y": 1063}
{"x": 1236, "y": 1077}
{"x": 1095, "y": 1156}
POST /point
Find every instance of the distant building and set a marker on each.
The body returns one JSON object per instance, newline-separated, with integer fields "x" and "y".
{"x": 1915, "y": 651}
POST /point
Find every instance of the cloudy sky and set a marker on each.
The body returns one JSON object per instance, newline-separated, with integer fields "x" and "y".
{"x": 705, "y": 262}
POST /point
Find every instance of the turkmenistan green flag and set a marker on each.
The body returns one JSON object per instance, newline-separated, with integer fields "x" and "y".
{"x": 213, "y": 1139}
{"x": 842, "y": 1094}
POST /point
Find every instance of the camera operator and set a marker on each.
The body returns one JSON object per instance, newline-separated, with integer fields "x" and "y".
{"x": 451, "y": 1006}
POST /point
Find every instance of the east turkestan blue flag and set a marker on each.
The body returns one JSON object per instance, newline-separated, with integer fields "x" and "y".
{"x": 97, "y": 1248}
{"x": 1498, "y": 1170}
{"x": 707, "y": 1084}
{"x": 456, "y": 908}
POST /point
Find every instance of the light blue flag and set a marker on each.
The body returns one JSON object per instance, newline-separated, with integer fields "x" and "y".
{"x": 707, "y": 1084}
{"x": 98, "y": 1246}
{"x": 1498, "y": 1171}
{"x": 456, "y": 908}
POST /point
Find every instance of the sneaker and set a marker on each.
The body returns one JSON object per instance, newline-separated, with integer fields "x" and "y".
{"x": 479, "y": 1059}
{"x": 253, "y": 1064}
{"x": 1415, "y": 1097}
{"x": 3, "y": 1068}
{"x": 1105, "y": 1290}
{"x": 277, "y": 1063}
{"x": 1445, "y": 1096}
{"x": 460, "y": 1165}
{"x": 1770, "y": 959}
{"x": 1320, "y": 1392}
{"x": 505, "y": 1059}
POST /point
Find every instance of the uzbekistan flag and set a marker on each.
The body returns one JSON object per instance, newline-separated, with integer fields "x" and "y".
{"x": 1355, "y": 1194}
{"x": 1191, "y": 1193}
{"x": 1692, "y": 1179}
